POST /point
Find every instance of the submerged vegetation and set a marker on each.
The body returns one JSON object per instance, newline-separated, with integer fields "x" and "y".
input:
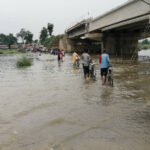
{"x": 24, "y": 62}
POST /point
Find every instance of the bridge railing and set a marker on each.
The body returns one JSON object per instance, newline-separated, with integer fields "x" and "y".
{"x": 79, "y": 21}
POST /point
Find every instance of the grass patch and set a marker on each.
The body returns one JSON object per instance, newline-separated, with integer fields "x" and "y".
{"x": 145, "y": 46}
{"x": 22, "y": 51}
{"x": 11, "y": 51}
{"x": 23, "y": 62}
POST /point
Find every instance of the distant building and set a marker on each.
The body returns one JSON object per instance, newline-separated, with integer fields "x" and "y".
{"x": 14, "y": 46}
{"x": 3, "y": 47}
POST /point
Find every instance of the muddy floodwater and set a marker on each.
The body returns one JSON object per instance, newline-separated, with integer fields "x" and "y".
{"x": 49, "y": 106}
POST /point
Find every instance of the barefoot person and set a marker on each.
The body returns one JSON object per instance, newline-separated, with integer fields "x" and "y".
{"x": 104, "y": 65}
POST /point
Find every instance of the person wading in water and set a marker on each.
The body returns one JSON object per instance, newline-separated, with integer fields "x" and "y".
{"x": 59, "y": 55}
{"x": 74, "y": 56}
{"x": 86, "y": 62}
{"x": 104, "y": 65}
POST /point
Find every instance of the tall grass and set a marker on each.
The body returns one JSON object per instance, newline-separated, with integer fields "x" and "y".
{"x": 24, "y": 62}
{"x": 11, "y": 51}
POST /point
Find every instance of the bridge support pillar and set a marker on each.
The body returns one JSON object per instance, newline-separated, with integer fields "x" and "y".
{"x": 70, "y": 45}
{"x": 123, "y": 44}
{"x": 66, "y": 44}
{"x": 109, "y": 43}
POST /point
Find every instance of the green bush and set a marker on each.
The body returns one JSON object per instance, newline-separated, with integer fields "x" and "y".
{"x": 24, "y": 62}
{"x": 146, "y": 46}
{"x": 52, "y": 40}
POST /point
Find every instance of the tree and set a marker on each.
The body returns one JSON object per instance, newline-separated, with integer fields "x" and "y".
{"x": 48, "y": 41}
{"x": 50, "y": 28}
{"x": 35, "y": 41}
{"x": 46, "y": 34}
{"x": 22, "y": 35}
{"x": 3, "y": 39}
{"x": 145, "y": 42}
{"x": 8, "y": 39}
{"x": 43, "y": 35}
{"x": 28, "y": 37}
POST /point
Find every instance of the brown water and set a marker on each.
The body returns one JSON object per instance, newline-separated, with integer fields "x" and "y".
{"x": 49, "y": 106}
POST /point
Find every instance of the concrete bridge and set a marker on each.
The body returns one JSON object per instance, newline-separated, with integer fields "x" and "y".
{"x": 118, "y": 30}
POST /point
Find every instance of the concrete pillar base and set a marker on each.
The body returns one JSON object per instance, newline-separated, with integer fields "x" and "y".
{"x": 121, "y": 44}
{"x": 78, "y": 45}
{"x": 66, "y": 44}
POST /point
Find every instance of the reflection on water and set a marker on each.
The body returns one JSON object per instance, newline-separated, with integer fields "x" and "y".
{"x": 49, "y": 106}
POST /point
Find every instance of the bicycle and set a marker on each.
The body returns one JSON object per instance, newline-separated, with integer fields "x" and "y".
{"x": 109, "y": 78}
{"x": 92, "y": 70}
{"x": 77, "y": 63}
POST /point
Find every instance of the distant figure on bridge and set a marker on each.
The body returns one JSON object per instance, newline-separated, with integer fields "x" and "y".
{"x": 86, "y": 62}
{"x": 104, "y": 65}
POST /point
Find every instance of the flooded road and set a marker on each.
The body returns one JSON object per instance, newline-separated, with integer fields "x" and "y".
{"x": 49, "y": 106}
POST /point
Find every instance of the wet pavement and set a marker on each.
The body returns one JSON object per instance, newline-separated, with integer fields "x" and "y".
{"x": 49, "y": 106}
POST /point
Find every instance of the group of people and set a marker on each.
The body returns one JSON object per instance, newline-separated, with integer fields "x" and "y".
{"x": 86, "y": 60}
{"x": 56, "y": 51}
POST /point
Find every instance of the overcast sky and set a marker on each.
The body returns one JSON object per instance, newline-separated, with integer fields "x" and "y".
{"x": 34, "y": 14}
